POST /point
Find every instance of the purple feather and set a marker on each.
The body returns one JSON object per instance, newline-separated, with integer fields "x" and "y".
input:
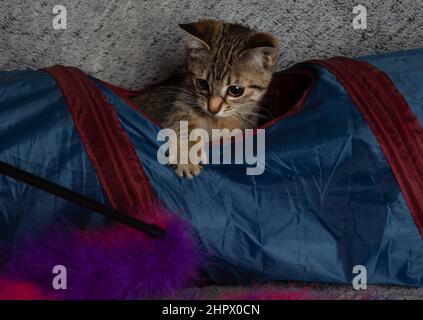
{"x": 113, "y": 263}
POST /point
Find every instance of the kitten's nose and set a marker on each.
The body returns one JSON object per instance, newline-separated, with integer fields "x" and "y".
{"x": 215, "y": 104}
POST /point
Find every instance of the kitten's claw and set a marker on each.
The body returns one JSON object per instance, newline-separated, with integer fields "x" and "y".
{"x": 188, "y": 171}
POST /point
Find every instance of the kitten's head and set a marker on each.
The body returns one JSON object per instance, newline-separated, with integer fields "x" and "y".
{"x": 231, "y": 66}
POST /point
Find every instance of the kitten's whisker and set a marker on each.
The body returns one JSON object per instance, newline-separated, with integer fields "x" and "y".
{"x": 182, "y": 89}
{"x": 240, "y": 116}
{"x": 266, "y": 110}
{"x": 247, "y": 113}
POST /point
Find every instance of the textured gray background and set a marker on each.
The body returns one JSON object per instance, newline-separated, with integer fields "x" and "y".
{"x": 131, "y": 43}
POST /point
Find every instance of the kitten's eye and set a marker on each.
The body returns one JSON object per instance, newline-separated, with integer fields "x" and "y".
{"x": 235, "y": 91}
{"x": 203, "y": 84}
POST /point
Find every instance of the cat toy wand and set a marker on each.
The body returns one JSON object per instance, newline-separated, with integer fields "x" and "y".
{"x": 152, "y": 230}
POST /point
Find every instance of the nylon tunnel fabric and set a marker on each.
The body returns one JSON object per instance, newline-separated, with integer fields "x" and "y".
{"x": 107, "y": 145}
{"x": 392, "y": 121}
{"x": 37, "y": 134}
{"x": 327, "y": 201}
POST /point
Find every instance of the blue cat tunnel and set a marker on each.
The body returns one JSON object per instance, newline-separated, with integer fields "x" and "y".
{"x": 342, "y": 185}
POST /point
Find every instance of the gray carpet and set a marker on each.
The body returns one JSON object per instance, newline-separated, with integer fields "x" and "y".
{"x": 132, "y": 43}
{"x": 315, "y": 290}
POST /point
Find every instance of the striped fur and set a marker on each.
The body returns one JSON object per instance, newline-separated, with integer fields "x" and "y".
{"x": 221, "y": 58}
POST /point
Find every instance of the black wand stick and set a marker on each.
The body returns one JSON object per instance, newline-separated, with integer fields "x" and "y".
{"x": 152, "y": 230}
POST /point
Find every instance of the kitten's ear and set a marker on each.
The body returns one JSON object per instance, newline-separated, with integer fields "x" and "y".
{"x": 262, "y": 49}
{"x": 199, "y": 34}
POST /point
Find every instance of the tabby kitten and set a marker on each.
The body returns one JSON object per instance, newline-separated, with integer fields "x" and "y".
{"x": 228, "y": 69}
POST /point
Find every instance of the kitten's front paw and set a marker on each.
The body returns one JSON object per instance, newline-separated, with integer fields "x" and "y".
{"x": 189, "y": 170}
